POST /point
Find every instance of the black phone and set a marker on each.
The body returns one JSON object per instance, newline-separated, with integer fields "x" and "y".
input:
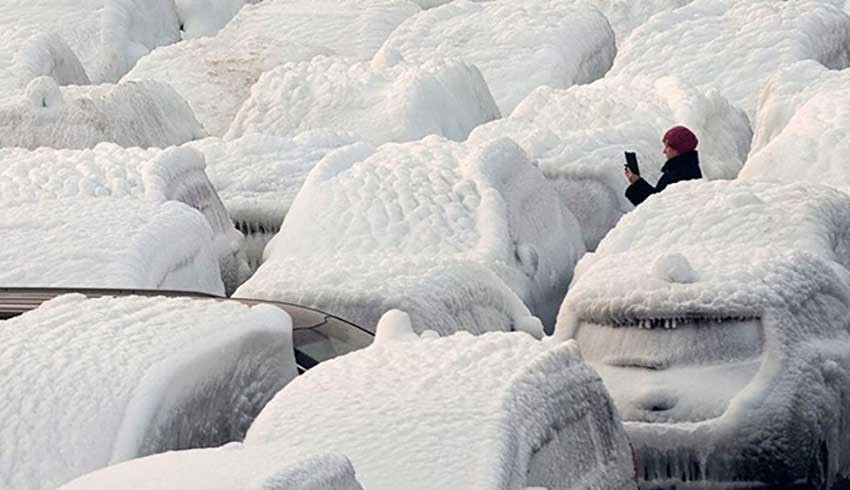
{"x": 631, "y": 162}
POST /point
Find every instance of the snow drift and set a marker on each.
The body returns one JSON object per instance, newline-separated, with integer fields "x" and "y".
{"x": 579, "y": 135}
{"x": 258, "y": 177}
{"x": 132, "y": 114}
{"x": 721, "y": 331}
{"x": 200, "y": 18}
{"x": 399, "y": 103}
{"x": 735, "y": 46}
{"x": 215, "y": 74}
{"x": 456, "y": 234}
{"x": 524, "y": 413}
{"x": 518, "y": 46}
{"x": 109, "y": 172}
{"x": 90, "y": 383}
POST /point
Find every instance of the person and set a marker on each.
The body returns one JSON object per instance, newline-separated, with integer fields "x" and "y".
{"x": 680, "y": 148}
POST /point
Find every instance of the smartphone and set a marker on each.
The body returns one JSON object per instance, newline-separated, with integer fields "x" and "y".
{"x": 631, "y": 162}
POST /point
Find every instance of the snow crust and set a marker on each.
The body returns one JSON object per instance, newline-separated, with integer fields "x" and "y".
{"x": 132, "y": 114}
{"x": 108, "y": 243}
{"x": 225, "y": 468}
{"x": 457, "y": 234}
{"x": 108, "y": 171}
{"x": 399, "y": 103}
{"x": 93, "y": 382}
{"x": 713, "y": 312}
{"x": 579, "y": 135}
{"x": 200, "y": 18}
{"x": 214, "y": 74}
{"x": 735, "y": 46}
{"x": 801, "y": 128}
{"x": 518, "y": 46}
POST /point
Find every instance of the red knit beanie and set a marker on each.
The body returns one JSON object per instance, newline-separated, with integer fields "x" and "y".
{"x": 681, "y": 139}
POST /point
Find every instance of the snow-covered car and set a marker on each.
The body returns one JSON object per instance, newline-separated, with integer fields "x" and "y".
{"x": 718, "y": 315}
{"x": 497, "y": 411}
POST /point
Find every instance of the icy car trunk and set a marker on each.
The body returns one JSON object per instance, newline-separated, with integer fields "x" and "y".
{"x": 674, "y": 370}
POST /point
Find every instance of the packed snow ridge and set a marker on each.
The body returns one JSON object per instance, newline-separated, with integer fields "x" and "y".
{"x": 99, "y": 381}
{"x": 459, "y": 234}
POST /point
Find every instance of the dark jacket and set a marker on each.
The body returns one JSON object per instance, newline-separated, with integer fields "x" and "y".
{"x": 676, "y": 169}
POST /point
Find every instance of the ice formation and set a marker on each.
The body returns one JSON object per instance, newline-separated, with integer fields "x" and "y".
{"x": 108, "y": 171}
{"x": 518, "y": 46}
{"x": 735, "y": 46}
{"x": 399, "y": 103}
{"x": 500, "y": 410}
{"x": 225, "y": 468}
{"x": 455, "y": 234}
{"x": 801, "y": 128}
{"x": 200, "y": 18}
{"x": 258, "y": 177}
{"x": 108, "y": 243}
{"x": 93, "y": 382}
{"x": 140, "y": 114}
{"x": 579, "y": 135}
{"x": 80, "y": 40}
{"x": 717, "y": 314}
{"x": 215, "y": 74}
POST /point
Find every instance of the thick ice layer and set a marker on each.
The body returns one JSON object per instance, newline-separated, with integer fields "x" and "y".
{"x": 77, "y": 40}
{"x": 717, "y": 314}
{"x": 200, "y": 18}
{"x": 89, "y": 383}
{"x": 579, "y": 136}
{"x": 399, "y": 103}
{"x": 801, "y": 127}
{"x": 132, "y": 114}
{"x": 258, "y": 176}
{"x": 518, "y": 46}
{"x": 108, "y": 243}
{"x": 108, "y": 171}
{"x": 424, "y": 225}
{"x": 215, "y": 74}
{"x": 225, "y": 468}
{"x": 491, "y": 411}
{"x": 735, "y": 46}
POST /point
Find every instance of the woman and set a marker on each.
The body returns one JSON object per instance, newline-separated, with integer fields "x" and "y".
{"x": 680, "y": 146}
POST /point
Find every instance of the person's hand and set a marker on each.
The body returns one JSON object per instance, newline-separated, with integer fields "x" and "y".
{"x": 631, "y": 176}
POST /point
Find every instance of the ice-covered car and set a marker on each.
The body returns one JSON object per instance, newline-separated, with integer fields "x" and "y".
{"x": 718, "y": 315}
{"x": 460, "y": 236}
{"x": 92, "y": 382}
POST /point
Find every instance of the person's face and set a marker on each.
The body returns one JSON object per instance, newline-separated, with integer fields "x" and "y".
{"x": 669, "y": 152}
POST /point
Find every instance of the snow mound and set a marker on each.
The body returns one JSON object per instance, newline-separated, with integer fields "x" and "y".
{"x": 93, "y": 382}
{"x": 626, "y": 15}
{"x": 225, "y": 468}
{"x": 404, "y": 224}
{"x": 801, "y": 128}
{"x": 399, "y": 103}
{"x": 258, "y": 177}
{"x": 132, "y": 114}
{"x": 518, "y": 406}
{"x": 108, "y": 171}
{"x": 215, "y": 74}
{"x": 518, "y": 46}
{"x": 736, "y": 46}
{"x": 48, "y": 55}
{"x": 113, "y": 244}
{"x": 579, "y": 136}
{"x": 200, "y": 18}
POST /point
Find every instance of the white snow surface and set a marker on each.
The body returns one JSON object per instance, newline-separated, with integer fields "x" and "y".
{"x": 200, "y": 18}
{"x": 736, "y": 46}
{"x": 462, "y": 411}
{"x": 518, "y": 46}
{"x": 92, "y": 382}
{"x": 108, "y": 243}
{"x": 108, "y": 171}
{"x": 455, "y": 233}
{"x": 381, "y": 104}
{"x": 225, "y": 468}
{"x": 215, "y": 74}
{"x": 78, "y": 40}
{"x": 131, "y": 114}
{"x": 579, "y": 135}
{"x": 801, "y": 128}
